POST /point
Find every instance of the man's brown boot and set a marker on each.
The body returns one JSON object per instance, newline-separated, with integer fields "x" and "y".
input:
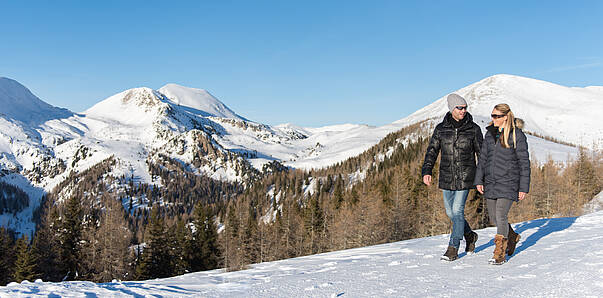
{"x": 513, "y": 239}
{"x": 470, "y": 239}
{"x": 499, "y": 252}
{"x": 451, "y": 254}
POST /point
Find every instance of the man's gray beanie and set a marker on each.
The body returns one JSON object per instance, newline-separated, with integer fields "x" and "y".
{"x": 455, "y": 100}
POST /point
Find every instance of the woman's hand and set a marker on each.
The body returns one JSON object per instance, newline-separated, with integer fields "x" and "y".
{"x": 480, "y": 188}
{"x": 522, "y": 195}
{"x": 427, "y": 180}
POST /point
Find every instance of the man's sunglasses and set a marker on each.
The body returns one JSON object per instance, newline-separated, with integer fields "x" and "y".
{"x": 496, "y": 116}
{"x": 461, "y": 108}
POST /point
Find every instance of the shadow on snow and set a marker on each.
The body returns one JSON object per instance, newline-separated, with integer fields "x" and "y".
{"x": 544, "y": 227}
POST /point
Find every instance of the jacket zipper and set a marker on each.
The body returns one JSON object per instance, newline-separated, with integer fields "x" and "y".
{"x": 493, "y": 166}
{"x": 454, "y": 170}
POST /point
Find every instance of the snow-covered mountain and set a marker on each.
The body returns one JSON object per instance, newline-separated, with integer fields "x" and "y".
{"x": 19, "y": 104}
{"x": 569, "y": 114}
{"x": 557, "y": 257}
{"x": 202, "y": 101}
{"x": 41, "y": 144}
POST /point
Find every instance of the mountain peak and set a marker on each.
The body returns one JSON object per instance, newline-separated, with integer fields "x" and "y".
{"x": 133, "y": 106}
{"x": 200, "y": 100}
{"x": 20, "y": 104}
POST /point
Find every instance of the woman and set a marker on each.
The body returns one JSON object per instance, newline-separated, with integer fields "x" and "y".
{"x": 503, "y": 175}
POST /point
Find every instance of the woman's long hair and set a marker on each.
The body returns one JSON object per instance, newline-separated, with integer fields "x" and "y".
{"x": 510, "y": 125}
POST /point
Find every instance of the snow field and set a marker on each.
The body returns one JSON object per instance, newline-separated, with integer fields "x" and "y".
{"x": 560, "y": 257}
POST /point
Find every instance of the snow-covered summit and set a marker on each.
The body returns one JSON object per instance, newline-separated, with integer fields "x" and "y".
{"x": 569, "y": 114}
{"x": 18, "y": 103}
{"x": 200, "y": 100}
{"x": 136, "y": 106}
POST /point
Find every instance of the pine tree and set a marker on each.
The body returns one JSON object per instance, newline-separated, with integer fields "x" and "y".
{"x": 205, "y": 241}
{"x": 313, "y": 223}
{"x": 156, "y": 258}
{"x": 181, "y": 247}
{"x": 338, "y": 192}
{"x": 585, "y": 179}
{"x": 233, "y": 259}
{"x": 71, "y": 234}
{"x": 25, "y": 265}
{"x": 6, "y": 257}
{"x": 113, "y": 237}
{"x": 46, "y": 245}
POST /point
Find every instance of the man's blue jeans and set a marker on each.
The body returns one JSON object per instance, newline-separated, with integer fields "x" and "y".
{"x": 454, "y": 201}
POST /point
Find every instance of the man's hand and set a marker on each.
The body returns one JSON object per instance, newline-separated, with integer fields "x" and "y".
{"x": 480, "y": 188}
{"x": 427, "y": 180}
{"x": 522, "y": 195}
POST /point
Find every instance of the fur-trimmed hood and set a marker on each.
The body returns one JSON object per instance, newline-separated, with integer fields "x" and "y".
{"x": 519, "y": 123}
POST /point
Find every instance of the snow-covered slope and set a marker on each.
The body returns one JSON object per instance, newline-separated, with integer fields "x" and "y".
{"x": 559, "y": 257}
{"x": 569, "y": 114}
{"x": 18, "y": 103}
{"x": 199, "y": 100}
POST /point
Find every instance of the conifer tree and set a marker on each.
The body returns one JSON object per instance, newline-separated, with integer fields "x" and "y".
{"x": 251, "y": 239}
{"x": 585, "y": 179}
{"x": 338, "y": 192}
{"x": 181, "y": 247}
{"x": 6, "y": 257}
{"x": 46, "y": 245}
{"x": 156, "y": 257}
{"x": 232, "y": 242}
{"x": 25, "y": 265}
{"x": 71, "y": 234}
{"x": 205, "y": 242}
{"x": 313, "y": 223}
{"x": 113, "y": 237}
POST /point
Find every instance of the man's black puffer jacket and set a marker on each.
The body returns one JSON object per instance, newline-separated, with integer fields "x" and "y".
{"x": 504, "y": 172}
{"x": 459, "y": 145}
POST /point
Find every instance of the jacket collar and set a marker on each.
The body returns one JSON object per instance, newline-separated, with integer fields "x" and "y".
{"x": 492, "y": 129}
{"x": 465, "y": 122}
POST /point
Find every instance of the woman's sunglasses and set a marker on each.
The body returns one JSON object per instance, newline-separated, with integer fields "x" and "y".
{"x": 460, "y": 108}
{"x": 496, "y": 116}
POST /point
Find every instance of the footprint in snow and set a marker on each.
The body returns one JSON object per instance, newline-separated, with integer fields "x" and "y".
{"x": 394, "y": 263}
{"x": 459, "y": 267}
{"x": 406, "y": 251}
{"x": 320, "y": 286}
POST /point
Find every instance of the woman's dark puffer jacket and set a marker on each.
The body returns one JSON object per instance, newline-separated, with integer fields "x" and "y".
{"x": 504, "y": 172}
{"x": 459, "y": 146}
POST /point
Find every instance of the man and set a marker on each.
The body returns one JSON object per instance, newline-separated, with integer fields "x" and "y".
{"x": 460, "y": 140}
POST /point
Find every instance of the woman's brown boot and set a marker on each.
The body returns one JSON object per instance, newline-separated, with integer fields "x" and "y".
{"x": 500, "y": 250}
{"x": 513, "y": 239}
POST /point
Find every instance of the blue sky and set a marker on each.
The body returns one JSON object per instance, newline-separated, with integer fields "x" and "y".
{"x": 311, "y": 63}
